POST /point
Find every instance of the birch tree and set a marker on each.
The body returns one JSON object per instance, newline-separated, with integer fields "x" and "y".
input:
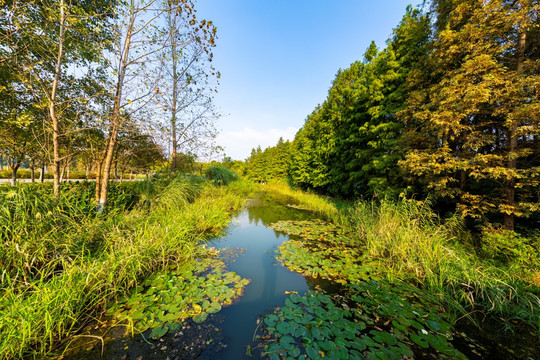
{"x": 141, "y": 40}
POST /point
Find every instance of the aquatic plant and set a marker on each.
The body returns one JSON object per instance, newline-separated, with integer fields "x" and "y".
{"x": 381, "y": 323}
{"x": 321, "y": 249}
{"x": 194, "y": 290}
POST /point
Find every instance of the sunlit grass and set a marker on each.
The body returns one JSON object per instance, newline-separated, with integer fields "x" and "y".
{"x": 91, "y": 260}
{"x": 321, "y": 205}
{"x": 411, "y": 242}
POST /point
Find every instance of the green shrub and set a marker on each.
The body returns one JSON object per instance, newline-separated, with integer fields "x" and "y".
{"x": 509, "y": 248}
{"x": 23, "y": 174}
{"x": 221, "y": 175}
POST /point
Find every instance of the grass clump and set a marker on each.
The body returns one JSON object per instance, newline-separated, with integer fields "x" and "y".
{"x": 411, "y": 242}
{"x": 221, "y": 175}
{"x": 57, "y": 273}
{"x": 308, "y": 201}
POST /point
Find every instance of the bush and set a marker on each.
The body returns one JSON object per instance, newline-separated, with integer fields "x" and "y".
{"x": 221, "y": 175}
{"x": 509, "y": 248}
{"x": 23, "y": 174}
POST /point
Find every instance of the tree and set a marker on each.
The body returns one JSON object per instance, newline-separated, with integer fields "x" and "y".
{"x": 42, "y": 40}
{"x": 350, "y": 146}
{"x": 482, "y": 117}
{"x": 140, "y": 42}
{"x": 184, "y": 66}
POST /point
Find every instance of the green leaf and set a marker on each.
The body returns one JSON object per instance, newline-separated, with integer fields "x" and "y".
{"x": 200, "y": 317}
{"x": 287, "y": 342}
{"x": 283, "y": 328}
{"x": 419, "y": 340}
{"x": 159, "y": 332}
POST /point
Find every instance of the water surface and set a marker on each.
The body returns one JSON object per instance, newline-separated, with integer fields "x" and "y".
{"x": 269, "y": 280}
{"x": 224, "y": 335}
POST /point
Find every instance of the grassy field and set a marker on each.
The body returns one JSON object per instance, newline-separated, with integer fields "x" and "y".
{"x": 62, "y": 263}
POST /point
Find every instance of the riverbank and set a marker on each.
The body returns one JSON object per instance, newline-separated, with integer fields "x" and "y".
{"x": 384, "y": 252}
{"x": 62, "y": 263}
{"x": 406, "y": 280}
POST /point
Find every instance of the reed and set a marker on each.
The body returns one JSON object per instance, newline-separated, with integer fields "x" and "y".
{"x": 89, "y": 260}
{"x": 410, "y": 242}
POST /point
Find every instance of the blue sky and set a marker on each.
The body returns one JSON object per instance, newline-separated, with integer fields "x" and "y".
{"x": 277, "y": 60}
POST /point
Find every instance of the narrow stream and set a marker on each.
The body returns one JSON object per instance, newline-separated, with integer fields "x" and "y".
{"x": 269, "y": 280}
{"x": 226, "y": 334}
{"x": 248, "y": 249}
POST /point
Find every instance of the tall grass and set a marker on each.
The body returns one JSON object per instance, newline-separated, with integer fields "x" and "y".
{"x": 310, "y": 201}
{"x": 221, "y": 175}
{"x": 53, "y": 299}
{"x": 410, "y": 242}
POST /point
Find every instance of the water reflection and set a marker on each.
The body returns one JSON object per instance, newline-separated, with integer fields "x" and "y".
{"x": 226, "y": 334}
{"x": 269, "y": 280}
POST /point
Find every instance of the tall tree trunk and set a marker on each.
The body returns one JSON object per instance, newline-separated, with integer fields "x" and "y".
{"x": 1, "y": 161}
{"x": 52, "y": 104}
{"x": 32, "y": 171}
{"x": 99, "y": 169}
{"x": 14, "y": 169}
{"x": 174, "y": 59}
{"x": 116, "y": 119}
{"x": 42, "y": 173}
{"x": 509, "y": 219}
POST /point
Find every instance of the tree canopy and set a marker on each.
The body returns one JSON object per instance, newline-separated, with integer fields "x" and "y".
{"x": 448, "y": 109}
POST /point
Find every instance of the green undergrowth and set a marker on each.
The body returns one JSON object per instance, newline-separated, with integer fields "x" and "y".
{"x": 411, "y": 243}
{"x": 88, "y": 260}
{"x": 305, "y": 200}
{"x": 193, "y": 290}
{"x": 221, "y": 175}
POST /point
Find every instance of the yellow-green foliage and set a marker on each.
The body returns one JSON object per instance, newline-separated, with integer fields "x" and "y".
{"x": 309, "y": 200}
{"x": 509, "y": 249}
{"x": 410, "y": 241}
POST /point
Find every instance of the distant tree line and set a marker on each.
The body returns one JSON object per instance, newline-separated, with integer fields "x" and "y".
{"x": 449, "y": 108}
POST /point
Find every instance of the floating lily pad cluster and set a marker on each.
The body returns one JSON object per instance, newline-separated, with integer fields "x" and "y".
{"x": 321, "y": 249}
{"x": 406, "y": 313}
{"x": 195, "y": 290}
{"x": 378, "y": 319}
{"x": 312, "y": 326}
{"x": 317, "y": 326}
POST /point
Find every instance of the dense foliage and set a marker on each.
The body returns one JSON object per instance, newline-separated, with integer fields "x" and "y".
{"x": 449, "y": 108}
{"x": 404, "y": 278}
{"x": 221, "y": 175}
{"x": 269, "y": 164}
{"x": 85, "y": 85}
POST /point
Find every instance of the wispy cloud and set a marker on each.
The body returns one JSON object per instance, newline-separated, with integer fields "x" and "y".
{"x": 238, "y": 144}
